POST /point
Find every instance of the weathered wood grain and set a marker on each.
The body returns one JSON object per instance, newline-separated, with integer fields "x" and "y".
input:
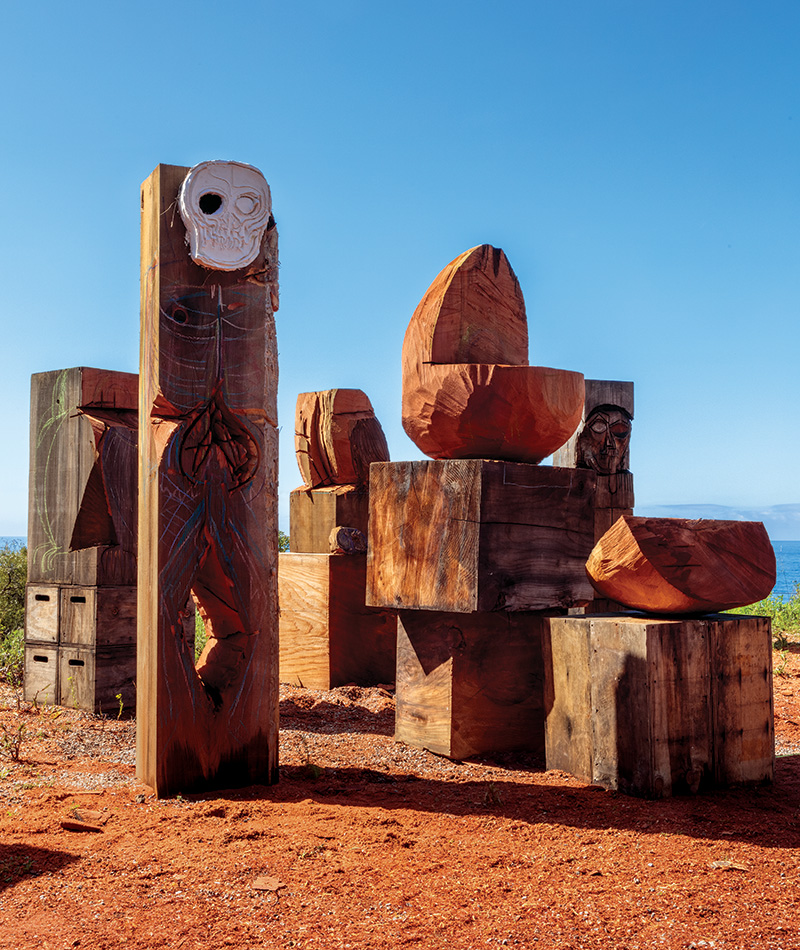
{"x": 676, "y": 566}
{"x": 337, "y": 437}
{"x": 469, "y": 684}
{"x": 42, "y": 602}
{"x": 98, "y": 616}
{"x": 472, "y": 535}
{"x": 328, "y": 637}
{"x": 656, "y": 707}
{"x": 314, "y": 513}
{"x": 73, "y": 478}
{"x": 207, "y": 509}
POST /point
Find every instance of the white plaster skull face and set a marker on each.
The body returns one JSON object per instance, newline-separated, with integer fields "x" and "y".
{"x": 225, "y": 207}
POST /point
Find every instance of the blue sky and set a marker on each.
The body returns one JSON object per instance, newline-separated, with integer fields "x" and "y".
{"x": 638, "y": 162}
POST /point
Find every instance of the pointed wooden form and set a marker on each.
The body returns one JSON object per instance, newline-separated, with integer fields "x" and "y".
{"x": 675, "y": 566}
{"x": 207, "y": 509}
{"x": 336, "y": 437}
{"x": 468, "y": 391}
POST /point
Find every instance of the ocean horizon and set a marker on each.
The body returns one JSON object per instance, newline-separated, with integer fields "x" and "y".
{"x": 787, "y": 556}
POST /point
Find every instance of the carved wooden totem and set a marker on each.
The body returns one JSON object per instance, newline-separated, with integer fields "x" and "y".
{"x": 208, "y": 479}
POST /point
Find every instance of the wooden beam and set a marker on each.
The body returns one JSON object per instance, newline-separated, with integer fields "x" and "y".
{"x": 207, "y": 505}
{"x": 472, "y": 535}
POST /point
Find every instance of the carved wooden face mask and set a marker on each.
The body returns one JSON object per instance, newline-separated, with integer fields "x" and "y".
{"x": 603, "y": 443}
{"x": 226, "y": 208}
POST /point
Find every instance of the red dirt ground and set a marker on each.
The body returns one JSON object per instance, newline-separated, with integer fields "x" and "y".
{"x": 367, "y": 843}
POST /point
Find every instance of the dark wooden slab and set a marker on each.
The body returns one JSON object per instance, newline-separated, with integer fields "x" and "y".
{"x": 469, "y": 684}
{"x": 472, "y": 535}
{"x": 656, "y": 707}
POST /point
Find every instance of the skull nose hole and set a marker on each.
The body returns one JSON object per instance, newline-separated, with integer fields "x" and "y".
{"x": 209, "y": 202}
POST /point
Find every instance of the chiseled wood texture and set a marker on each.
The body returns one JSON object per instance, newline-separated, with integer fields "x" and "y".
{"x": 315, "y": 512}
{"x": 82, "y": 475}
{"x": 677, "y": 566}
{"x": 471, "y": 535}
{"x": 328, "y": 637}
{"x": 336, "y": 437}
{"x": 207, "y": 509}
{"x": 598, "y": 392}
{"x": 656, "y": 707}
{"x": 469, "y": 684}
{"x": 468, "y": 391}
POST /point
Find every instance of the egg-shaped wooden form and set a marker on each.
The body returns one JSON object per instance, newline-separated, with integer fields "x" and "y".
{"x": 468, "y": 391}
{"x": 677, "y": 566}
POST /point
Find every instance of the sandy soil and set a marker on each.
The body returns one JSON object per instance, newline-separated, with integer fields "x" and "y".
{"x": 367, "y": 843}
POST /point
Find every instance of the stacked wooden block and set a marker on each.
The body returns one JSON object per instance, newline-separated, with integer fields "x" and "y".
{"x": 328, "y": 636}
{"x": 80, "y": 623}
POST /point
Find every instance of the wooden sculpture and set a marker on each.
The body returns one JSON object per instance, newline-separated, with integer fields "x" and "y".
{"x": 336, "y": 437}
{"x": 468, "y": 391}
{"x": 675, "y": 566}
{"x": 208, "y": 479}
{"x": 328, "y": 636}
{"x": 80, "y": 619}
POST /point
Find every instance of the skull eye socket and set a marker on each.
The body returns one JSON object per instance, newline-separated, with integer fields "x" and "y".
{"x": 210, "y": 202}
{"x": 246, "y": 204}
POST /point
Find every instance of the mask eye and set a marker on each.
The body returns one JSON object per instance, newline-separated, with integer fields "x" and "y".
{"x": 179, "y": 315}
{"x": 210, "y": 202}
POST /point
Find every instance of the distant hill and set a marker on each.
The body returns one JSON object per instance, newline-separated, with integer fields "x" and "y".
{"x": 781, "y": 521}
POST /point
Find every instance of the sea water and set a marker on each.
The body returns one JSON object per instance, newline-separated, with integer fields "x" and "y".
{"x": 787, "y": 555}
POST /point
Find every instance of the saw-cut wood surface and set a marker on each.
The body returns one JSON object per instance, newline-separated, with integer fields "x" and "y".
{"x": 468, "y": 391}
{"x": 336, "y": 437}
{"x": 468, "y": 535}
{"x": 677, "y": 566}
{"x": 655, "y": 707}
{"x": 469, "y": 684}
{"x": 315, "y": 512}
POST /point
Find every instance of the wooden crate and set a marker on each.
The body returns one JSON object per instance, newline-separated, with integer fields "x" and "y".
{"x": 469, "y": 684}
{"x": 658, "y": 706}
{"x": 98, "y": 616}
{"x": 100, "y": 680}
{"x": 41, "y": 674}
{"x": 473, "y": 535}
{"x": 315, "y": 512}
{"x": 42, "y": 613}
{"x": 328, "y": 637}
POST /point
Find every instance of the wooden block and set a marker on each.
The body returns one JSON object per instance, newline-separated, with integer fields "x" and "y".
{"x": 473, "y": 535}
{"x": 469, "y": 684}
{"x": 653, "y": 707}
{"x": 207, "y": 483}
{"x": 97, "y": 679}
{"x": 314, "y": 513}
{"x": 98, "y": 616}
{"x": 608, "y": 406}
{"x": 41, "y": 674}
{"x": 328, "y": 637}
{"x": 70, "y": 475}
{"x": 42, "y": 613}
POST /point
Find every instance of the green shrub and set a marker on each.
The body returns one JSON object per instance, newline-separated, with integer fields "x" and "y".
{"x": 12, "y": 657}
{"x": 784, "y": 612}
{"x": 13, "y": 577}
{"x": 283, "y": 541}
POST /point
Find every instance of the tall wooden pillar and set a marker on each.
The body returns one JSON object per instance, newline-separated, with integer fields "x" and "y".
{"x": 208, "y": 481}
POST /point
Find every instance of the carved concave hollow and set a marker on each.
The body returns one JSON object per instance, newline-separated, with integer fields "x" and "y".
{"x": 221, "y": 664}
{"x": 468, "y": 391}
{"x": 676, "y": 566}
